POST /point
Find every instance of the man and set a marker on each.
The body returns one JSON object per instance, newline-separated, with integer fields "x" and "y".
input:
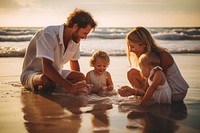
{"x": 51, "y": 48}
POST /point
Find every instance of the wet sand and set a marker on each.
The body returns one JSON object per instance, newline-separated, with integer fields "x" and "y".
{"x": 23, "y": 111}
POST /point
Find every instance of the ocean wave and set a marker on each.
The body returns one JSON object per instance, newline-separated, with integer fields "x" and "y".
{"x": 25, "y": 34}
{"x": 20, "y": 38}
{"x": 107, "y": 36}
{"x": 18, "y": 30}
{"x": 17, "y": 52}
{"x": 175, "y": 36}
{"x": 158, "y": 33}
{"x": 12, "y": 52}
{"x": 17, "y": 34}
{"x": 21, "y": 32}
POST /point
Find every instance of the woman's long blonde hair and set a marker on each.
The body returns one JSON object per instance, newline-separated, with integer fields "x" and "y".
{"x": 141, "y": 35}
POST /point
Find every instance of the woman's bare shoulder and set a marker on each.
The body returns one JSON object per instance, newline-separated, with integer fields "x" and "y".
{"x": 166, "y": 60}
{"x": 165, "y": 54}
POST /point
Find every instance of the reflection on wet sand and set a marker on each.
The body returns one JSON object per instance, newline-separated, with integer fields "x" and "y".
{"x": 100, "y": 118}
{"x": 61, "y": 113}
{"x": 152, "y": 123}
{"x": 86, "y": 114}
{"x": 45, "y": 115}
{"x": 155, "y": 118}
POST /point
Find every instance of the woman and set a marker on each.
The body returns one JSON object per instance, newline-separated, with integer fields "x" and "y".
{"x": 140, "y": 41}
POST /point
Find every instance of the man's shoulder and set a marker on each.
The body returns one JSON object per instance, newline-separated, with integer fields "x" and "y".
{"x": 55, "y": 31}
{"x": 52, "y": 28}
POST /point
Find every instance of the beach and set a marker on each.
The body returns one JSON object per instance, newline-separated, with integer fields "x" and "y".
{"x": 27, "y": 112}
{"x": 98, "y": 25}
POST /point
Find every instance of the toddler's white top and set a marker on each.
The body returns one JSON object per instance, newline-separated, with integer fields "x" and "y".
{"x": 163, "y": 93}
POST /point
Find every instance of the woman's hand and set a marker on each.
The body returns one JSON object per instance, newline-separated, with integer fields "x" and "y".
{"x": 125, "y": 91}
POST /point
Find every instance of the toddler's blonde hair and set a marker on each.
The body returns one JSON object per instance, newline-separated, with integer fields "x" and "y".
{"x": 99, "y": 54}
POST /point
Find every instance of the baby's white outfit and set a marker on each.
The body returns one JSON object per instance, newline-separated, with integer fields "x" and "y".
{"x": 163, "y": 93}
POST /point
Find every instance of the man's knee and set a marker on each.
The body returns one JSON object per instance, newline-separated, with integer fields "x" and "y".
{"x": 47, "y": 82}
{"x": 81, "y": 76}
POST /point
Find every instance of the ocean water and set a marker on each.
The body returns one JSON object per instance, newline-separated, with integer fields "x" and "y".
{"x": 14, "y": 40}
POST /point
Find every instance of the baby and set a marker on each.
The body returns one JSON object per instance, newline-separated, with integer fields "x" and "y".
{"x": 158, "y": 90}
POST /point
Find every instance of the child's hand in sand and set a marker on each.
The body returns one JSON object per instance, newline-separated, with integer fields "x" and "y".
{"x": 125, "y": 91}
{"x": 109, "y": 88}
{"x": 96, "y": 89}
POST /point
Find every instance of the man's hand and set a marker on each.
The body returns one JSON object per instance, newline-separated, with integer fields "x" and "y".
{"x": 80, "y": 87}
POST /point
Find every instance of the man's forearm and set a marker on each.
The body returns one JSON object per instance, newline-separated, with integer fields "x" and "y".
{"x": 52, "y": 74}
{"x": 74, "y": 65}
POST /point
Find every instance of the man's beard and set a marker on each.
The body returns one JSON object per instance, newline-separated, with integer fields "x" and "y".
{"x": 75, "y": 36}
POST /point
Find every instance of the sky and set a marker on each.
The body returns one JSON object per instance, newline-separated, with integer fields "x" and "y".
{"x": 107, "y": 13}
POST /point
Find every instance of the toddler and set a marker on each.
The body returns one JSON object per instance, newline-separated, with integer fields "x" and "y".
{"x": 159, "y": 90}
{"x": 100, "y": 79}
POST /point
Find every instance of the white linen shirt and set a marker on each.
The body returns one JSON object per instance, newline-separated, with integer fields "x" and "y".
{"x": 48, "y": 43}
